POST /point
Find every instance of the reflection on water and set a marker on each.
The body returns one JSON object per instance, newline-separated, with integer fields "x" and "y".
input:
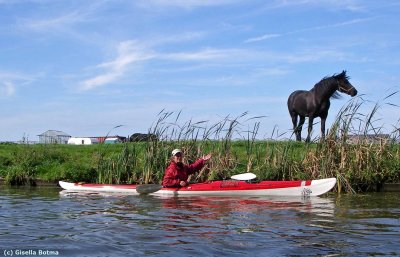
{"x": 87, "y": 224}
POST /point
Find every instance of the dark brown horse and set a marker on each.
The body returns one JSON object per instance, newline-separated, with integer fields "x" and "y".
{"x": 316, "y": 102}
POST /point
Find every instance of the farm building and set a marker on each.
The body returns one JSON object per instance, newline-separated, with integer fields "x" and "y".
{"x": 112, "y": 140}
{"x": 82, "y": 141}
{"x": 103, "y": 138}
{"x": 53, "y": 137}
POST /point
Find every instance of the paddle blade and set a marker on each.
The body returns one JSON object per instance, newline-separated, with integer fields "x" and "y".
{"x": 147, "y": 188}
{"x": 244, "y": 176}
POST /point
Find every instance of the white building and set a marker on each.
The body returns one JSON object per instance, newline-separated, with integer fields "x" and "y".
{"x": 82, "y": 141}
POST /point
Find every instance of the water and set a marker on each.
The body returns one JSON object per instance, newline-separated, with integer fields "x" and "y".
{"x": 47, "y": 222}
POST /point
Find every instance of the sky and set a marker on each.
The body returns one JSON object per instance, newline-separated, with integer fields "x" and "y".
{"x": 85, "y": 67}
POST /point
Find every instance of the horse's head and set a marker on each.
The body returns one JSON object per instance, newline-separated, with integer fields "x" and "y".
{"x": 344, "y": 85}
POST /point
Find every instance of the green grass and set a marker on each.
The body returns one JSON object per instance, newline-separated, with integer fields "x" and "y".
{"x": 358, "y": 167}
{"x": 235, "y": 149}
{"x": 22, "y": 164}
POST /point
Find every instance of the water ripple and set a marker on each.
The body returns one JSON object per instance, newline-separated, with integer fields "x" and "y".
{"x": 105, "y": 225}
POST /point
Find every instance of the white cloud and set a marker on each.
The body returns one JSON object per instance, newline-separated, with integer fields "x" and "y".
{"x": 206, "y": 54}
{"x": 60, "y": 20}
{"x": 335, "y": 25}
{"x": 316, "y": 55}
{"x": 7, "y": 89}
{"x": 262, "y": 38}
{"x": 352, "y": 5}
{"x": 272, "y": 72}
{"x": 131, "y": 52}
{"x": 323, "y": 27}
{"x": 16, "y": 76}
{"x": 53, "y": 23}
{"x": 9, "y": 80}
{"x": 188, "y": 4}
{"x": 128, "y": 53}
{"x": 177, "y": 38}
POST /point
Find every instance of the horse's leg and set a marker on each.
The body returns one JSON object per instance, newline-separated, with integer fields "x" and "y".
{"x": 299, "y": 128}
{"x": 310, "y": 125}
{"x": 294, "y": 121}
{"x": 323, "y": 119}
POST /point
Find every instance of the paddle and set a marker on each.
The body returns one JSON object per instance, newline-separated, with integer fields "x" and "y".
{"x": 151, "y": 188}
{"x": 147, "y": 188}
{"x": 244, "y": 176}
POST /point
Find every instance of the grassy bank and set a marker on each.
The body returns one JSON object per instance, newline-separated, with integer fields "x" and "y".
{"x": 233, "y": 141}
{"x": 358, "y": 167}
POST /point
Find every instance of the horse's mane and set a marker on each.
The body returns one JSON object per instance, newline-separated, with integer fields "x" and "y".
{"x": 327, "y": 81}
{"x": 341, "y": 75}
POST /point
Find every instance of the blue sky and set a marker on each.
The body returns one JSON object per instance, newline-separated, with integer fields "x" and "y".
{"x": 83, "y": 67}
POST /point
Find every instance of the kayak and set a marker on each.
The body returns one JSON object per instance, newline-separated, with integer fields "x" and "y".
{"x": 219, "y": 188}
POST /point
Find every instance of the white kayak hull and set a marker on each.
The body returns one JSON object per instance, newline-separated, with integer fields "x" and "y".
{"x": 220, "y": 188}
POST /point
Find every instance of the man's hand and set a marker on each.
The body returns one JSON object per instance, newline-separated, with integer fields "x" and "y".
{"x": 207, "y": 157}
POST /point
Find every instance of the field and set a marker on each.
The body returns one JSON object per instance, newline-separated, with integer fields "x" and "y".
{"x": 359, "y": 166}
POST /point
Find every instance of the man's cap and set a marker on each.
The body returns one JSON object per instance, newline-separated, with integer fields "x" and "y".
{"x": 175, "y": 151}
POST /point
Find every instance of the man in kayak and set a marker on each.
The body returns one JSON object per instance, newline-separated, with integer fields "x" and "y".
{"x": 177, "y": 173}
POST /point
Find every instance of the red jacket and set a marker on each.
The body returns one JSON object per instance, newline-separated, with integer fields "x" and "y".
{"x": 176, "y": 173}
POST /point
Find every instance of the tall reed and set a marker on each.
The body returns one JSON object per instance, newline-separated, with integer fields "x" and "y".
{"x": 237, "y": 148}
